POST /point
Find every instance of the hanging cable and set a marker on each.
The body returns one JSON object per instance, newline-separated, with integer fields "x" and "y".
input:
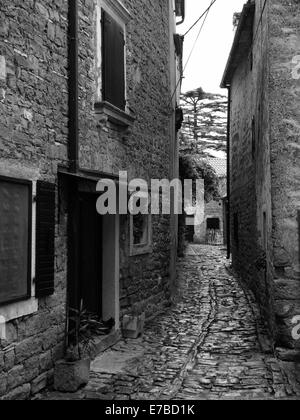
{"x": 198, "y": 20}
{"x": 205, "y": 15}
{"x": 198, "y": 36}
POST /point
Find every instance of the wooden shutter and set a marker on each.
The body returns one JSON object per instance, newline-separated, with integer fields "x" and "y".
{"x": 113, "y": 59}
{"x": 45, "y": 237}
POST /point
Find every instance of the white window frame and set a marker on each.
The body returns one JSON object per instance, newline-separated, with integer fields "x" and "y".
{"x": 120, "y": 14}
{"x": 12, "y": 311}
{"x": 141, "y": 249}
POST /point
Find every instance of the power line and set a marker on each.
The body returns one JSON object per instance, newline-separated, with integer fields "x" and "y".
{"x": 203, "y": 14}
{"x": 199, "y": 33}
{"x": 206, "y": 13}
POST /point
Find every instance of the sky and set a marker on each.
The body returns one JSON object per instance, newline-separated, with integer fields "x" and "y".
{"x": 207, "y": 64}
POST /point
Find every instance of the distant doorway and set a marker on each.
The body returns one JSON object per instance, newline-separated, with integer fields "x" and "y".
{"x": 190, "y": 229}
{"x": 213, "y": 224}
{"x": 213, "y": 231}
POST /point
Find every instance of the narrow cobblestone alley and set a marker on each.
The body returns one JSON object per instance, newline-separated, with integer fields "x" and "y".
{"x": 209, "y": 345}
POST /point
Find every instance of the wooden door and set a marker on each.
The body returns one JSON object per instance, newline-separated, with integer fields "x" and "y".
{"x": 90, "y": 254}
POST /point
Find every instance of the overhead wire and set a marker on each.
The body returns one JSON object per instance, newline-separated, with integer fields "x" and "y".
{"x": 201, "y": 16}
{"x": 205, "y": 15}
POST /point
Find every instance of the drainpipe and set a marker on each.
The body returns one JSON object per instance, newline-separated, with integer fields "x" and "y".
{"x": 228, "y": 176}
{"x": 181, "y": 6}
{"x": 73, "y": 86}
{"x": 73, "y": 295}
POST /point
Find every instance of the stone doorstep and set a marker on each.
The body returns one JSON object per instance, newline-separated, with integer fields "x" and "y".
{"x": 104, "y": 343}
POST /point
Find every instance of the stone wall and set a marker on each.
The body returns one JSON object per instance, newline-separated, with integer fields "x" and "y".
{"x": 144, "y": 279}
{"x": 145, "y": 149}
{"x": 33, "y": 141}
{"x": 250, "y": 169}
{"x": 264, "y": 176}
{"x": 284, "y": 42}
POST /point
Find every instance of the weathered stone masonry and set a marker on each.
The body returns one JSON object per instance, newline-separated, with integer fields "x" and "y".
{"x": 144, "y": 151}
{"x": 34, "y": 143}
{"x": 264, "y": 162}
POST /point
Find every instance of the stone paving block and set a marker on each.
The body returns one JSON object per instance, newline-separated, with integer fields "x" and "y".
{"x": 206, "y": 347}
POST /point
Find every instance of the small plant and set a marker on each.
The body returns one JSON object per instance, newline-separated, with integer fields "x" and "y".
{"x": 86, "y": 327}
{"x": 73, "y": 372}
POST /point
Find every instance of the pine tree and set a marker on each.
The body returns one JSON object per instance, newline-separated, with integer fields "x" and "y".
{"x": 205, "y": 123}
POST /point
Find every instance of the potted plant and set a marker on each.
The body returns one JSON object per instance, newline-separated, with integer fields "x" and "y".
{"x": 133, "y": 325}
{"x": 73, "y": 372}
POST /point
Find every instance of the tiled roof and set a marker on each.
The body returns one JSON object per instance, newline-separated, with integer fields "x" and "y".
{"x": 219, "y": 165}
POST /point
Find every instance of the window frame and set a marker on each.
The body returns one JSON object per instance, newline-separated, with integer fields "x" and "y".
{"x": 140, "y": 249}
{"x": 30, "y": 242}
{"x": 113, "y": 89}
{"x": 116, "y": 10}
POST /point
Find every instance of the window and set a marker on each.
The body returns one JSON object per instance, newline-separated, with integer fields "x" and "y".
{"x": 140, "y": 230}
{"x": 113, "y": 62}
{"x": 111, "y": 99}
{"x": 15, "y": 240}
{"x": 140, "y": 234}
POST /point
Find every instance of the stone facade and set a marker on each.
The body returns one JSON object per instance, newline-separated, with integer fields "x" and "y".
{"x": 34, "y": 146}
{"x": 264, "y": 161}
{"x": 213, "y": 232}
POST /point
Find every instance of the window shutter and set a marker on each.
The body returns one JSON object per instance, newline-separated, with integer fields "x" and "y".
{"x": 113, "y": 59}
{"x": 45, "y": 237}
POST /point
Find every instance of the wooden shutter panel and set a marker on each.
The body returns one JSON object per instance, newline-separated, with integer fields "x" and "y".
{"x": 113, "y": 59}
{"x": 45, "y": 237}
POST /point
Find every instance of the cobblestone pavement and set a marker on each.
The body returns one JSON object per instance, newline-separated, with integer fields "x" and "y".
{"x": 208, "y": 345}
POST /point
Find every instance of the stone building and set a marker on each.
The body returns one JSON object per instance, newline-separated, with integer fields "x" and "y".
{"x": 262, "y": 76}
{"x": 212, "y": 230}
{"x": 88, "y": 88}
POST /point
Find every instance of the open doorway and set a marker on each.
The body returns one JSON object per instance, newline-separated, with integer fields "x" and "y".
{"x": 90, "y": 255}
{"x": 213, "y": 224}
{"x": 98, "y": 262}
{"x": 93, "y": 263}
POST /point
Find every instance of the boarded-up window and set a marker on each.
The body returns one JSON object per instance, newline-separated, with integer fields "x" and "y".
{"x": 15, "y": 239}
{"x": 113, "y": 62}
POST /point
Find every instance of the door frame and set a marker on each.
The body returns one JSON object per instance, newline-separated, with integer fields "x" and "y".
{"x": 110, "y": 249}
